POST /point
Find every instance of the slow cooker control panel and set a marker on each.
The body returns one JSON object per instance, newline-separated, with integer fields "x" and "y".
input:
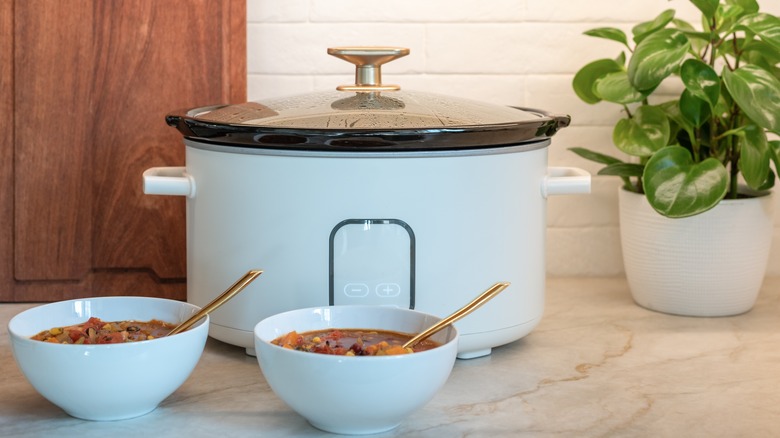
{"x": 372, "y": 262}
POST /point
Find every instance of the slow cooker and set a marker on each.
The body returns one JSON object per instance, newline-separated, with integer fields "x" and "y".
{"x": 368, "y": 194}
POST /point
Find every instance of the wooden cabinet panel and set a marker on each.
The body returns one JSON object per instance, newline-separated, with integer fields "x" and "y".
{"x": 91, "y": 82}
{"x": 52, "y": 128}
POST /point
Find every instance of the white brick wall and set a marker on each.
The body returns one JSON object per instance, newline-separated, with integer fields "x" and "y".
{"x": 509, "y": 52}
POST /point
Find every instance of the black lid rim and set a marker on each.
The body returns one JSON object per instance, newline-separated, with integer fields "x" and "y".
{"x": 384, "y": 140}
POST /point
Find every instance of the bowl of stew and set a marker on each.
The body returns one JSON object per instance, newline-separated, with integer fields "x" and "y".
{"x": 343, "y": 369}
{"x": 107, "y": 358}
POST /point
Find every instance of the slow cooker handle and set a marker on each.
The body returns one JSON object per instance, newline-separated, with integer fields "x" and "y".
{"x": 565, "y": 181}
{"x": 174, "y": 181}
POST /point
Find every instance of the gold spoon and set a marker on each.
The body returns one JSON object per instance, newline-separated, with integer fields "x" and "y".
{"x": 218, "y": 301}
{"x": 483, "y": 298}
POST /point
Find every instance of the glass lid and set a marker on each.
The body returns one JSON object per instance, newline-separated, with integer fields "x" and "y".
{"x": 367, "y": 115}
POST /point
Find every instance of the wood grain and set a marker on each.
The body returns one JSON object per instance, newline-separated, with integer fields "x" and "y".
{"x": 6, "y": 151}
{"x": 89, "y": 106}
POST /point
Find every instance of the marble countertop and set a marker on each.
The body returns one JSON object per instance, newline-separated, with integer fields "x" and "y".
{"x": 597, "y": 365}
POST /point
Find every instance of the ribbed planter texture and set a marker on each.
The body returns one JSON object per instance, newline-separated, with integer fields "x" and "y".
{"x": 711, "y": 264}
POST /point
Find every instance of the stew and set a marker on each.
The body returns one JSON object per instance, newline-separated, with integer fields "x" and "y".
{"x": 352, "y": 342}
{"x": 96, "y": 331}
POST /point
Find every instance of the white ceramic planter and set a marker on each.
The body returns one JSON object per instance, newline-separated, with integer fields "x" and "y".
{"x": 712, "y": 264}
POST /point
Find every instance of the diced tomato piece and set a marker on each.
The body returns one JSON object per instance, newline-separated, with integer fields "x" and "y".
{"x": 75, "y": 334}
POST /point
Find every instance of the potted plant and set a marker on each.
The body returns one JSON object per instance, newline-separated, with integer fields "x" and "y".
{"x": 688, "y": 155}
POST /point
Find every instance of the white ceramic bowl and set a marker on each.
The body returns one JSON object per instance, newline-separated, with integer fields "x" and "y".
{"x": 356, "y": 394}
{"x": 109, "y": 381}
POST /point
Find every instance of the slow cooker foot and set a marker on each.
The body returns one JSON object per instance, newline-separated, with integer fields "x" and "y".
{"x": 474, "y": 354}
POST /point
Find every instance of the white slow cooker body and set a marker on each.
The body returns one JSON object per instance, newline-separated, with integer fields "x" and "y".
{"x": 477, "y": 217}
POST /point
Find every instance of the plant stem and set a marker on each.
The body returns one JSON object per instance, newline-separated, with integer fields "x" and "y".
{"x": 737, "y": 53}
{"x": 713, "y": 45}
{"x": 732, "y": 154}
{"x": 734, "y": 173}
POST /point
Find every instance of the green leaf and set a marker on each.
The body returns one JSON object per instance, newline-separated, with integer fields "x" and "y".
{"x": 672, "y": 110}
{"x": 695, "y": 110}
{"x": 757, "y": 92}
{"x": 703, "y": 37}
{"x": 642, "y": 30}
{"x": 615, "y": 87}
{"x": 699, "y": 40}
{"x": 707, "y": 7}
{"x": 644, "y": 133}
{"x": 770, "y": 182}
{"x": 701, "y": 94}
{"x": 749, "y": 6}
{"x": 623, "y": 170}
{"x": 774, "y": 152}
{"x": 701, "y": 80}
{"x": 585, "y": 79}
{"x": 621, "y": 59}
{"x": 610, "y": 33}
{"x": 754, "y": 156}
{"x": 761, "y": 54}
{"x": 728, "y": 15}
{"x": 678, "y": 187}
{"x": 595, "y": 156}
{"x": 765, "y": 26}
{"x": 657, "y": 57}
{"x": 683, "y": 25}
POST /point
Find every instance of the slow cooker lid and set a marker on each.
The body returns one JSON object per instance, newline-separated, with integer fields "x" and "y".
{"x": 367, "y": 115}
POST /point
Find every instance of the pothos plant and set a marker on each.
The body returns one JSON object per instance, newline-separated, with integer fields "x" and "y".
{"x": 695, "y": 147}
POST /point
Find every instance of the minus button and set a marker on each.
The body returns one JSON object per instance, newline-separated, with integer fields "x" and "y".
{"x": 356, "y": 290}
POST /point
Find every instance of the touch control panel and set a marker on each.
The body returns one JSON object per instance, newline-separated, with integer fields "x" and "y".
{"x": 372, "y": 262}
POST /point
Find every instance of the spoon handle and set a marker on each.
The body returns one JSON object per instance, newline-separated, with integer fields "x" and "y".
{"x": 483, "y": 298}
{"x": 218, "y": 301}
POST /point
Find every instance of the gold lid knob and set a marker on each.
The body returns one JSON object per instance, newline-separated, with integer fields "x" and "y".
{"x": 368, "y": 62}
